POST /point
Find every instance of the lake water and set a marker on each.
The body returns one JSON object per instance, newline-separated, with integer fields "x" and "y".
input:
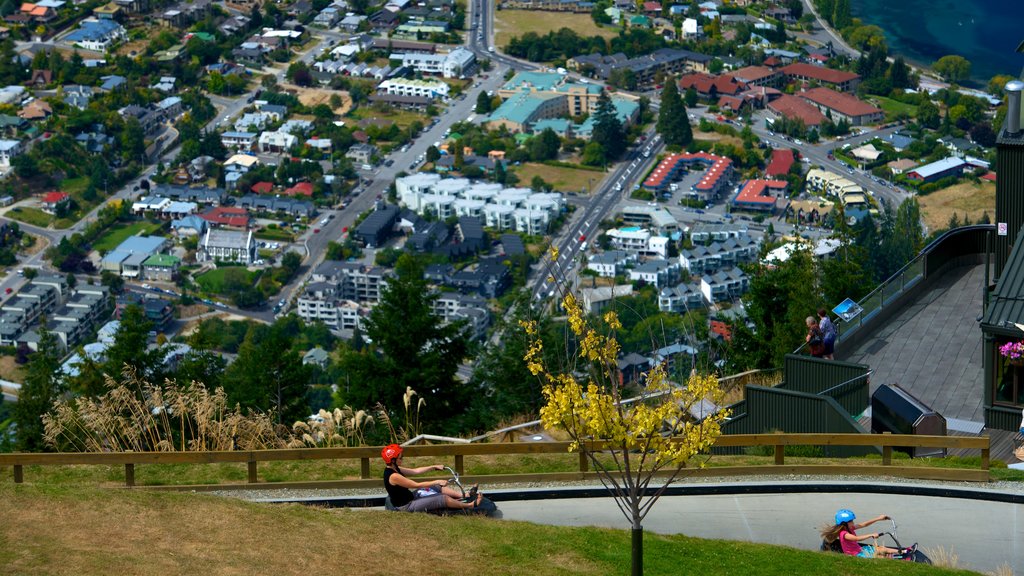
{"x": 985, "y": 32}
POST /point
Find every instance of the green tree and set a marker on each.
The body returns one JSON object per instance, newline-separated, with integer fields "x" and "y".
{"x": 268, "y": 374}
{"x": 41, "y": 388}
{"x": 544, "y": 146}
{"x": 423, "y": 355}
{"x": 500, "y": 176}
{"x": 928, "y": 114}
{"x": 673, "y": 123}
{"x": 129, "y": 347}
{"x": 953, "y": 68}
{"x": 779, "y": 300}
{"x": 608, "y": 131}
{"x": 483, "y": 103}
{"x": 841, "y": 16}
{"x": 691, "y": 97}
{"x": 433, "y": 154}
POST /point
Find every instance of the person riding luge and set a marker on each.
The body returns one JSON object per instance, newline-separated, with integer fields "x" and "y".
{"x": 410, "y": 496}
{"x": 845, "y": 532}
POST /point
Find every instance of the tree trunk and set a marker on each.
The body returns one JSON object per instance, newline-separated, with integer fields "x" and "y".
{"x": 638, "y": 550}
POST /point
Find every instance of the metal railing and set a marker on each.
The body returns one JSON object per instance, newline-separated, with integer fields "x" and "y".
{"x": 928, "y": 261}
{"x": 458, "y": 452}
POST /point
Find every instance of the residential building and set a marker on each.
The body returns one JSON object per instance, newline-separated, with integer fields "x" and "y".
{"x": 724, "y": 285}
{"x": 655, "y": 272}
{"x": 843, "y": 106}
{"x": 761, "y": 195}
{"x": 713, "y": 183}
{"x": 238, "y": 140}
{"x": 680, "y": 298}
{"x": 8, "y": 150}
{"x": 277, "y": 142}
{"x": 809, "y": 73}
{"x": 161, "y": 267}
{"x": 454, "y": 64}
{"x": 362, "y": 153}
{"x": 375, "y": 230}
{"x": 97, "y": 35}
{"x": 53, "y": 202}
{"x": 411, "y": 87}
{"x": 796, "y": 108}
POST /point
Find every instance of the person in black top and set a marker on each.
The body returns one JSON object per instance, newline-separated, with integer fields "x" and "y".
{"x": 411, "y": 496}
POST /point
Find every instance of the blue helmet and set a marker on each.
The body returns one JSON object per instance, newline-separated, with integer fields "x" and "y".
{"x": 845, "y": 515}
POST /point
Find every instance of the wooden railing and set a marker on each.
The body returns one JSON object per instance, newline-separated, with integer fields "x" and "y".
{"x": 459, "y": 452}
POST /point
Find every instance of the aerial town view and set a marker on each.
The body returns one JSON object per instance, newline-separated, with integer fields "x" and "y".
{"x": 603, "y": 286}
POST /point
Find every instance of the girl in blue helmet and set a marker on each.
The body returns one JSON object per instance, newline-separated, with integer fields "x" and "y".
{"x": 845, "y": 532}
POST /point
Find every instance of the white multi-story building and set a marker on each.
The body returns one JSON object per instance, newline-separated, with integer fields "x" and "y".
{"x": 639, "y": 241}
{"x": 411, "y": 87}
{"x": 451, "y": 65}
{"x": 227, "y": 245}
{"x": 518, "y": 209}
{"x": 611, "y": 263}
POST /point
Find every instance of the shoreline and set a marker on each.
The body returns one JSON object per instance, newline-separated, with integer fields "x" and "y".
{"x": 926, "y": 74}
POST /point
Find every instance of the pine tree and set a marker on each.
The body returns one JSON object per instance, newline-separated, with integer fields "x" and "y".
{"x": 268, "y": 374}
{"x": 608, "y": 130}
{"x": 423, "y": 355}
{"x": 673, "y": 123}
{"x": 483, "y": 103}
{"x": 41, "y": 388}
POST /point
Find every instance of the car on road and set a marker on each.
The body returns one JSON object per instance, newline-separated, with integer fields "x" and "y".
{"x": 146, "y": 286}
{"x": 389, "y": 162}
{"x": 325, "y": 221}
{"x": 8, "y": 291}
{"x": 316, "y": 230}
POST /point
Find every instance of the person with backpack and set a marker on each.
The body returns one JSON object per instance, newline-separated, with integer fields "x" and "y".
{"x": 828, "y": 334}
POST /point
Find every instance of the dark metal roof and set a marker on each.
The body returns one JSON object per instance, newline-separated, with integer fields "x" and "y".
{"x": 1006, "y": 306}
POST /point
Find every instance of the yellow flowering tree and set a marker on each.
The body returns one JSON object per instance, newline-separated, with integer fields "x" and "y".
{"x": 629, "y": 444}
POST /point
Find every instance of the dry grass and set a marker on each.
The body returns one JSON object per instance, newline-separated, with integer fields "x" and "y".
{"x": 315, "y": 96}
{"x": 10, "y": 370}
{"x": 964, "y": 199}
{"x": 943, "y": 558}
{"x": 561, "y": 178}
{"x": 1003, "y": 570}
{"x": 91, "y": 532}
{"x": 509, "y": 23}
{"x": 716, "y": 137}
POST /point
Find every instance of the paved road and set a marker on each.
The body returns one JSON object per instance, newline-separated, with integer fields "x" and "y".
{"x": 985, "y": 535}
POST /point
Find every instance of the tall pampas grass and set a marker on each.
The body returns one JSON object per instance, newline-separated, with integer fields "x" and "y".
{"x": 135, "y": 415}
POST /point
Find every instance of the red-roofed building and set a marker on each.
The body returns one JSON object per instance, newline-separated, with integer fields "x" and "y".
{"x": 760, "y": 195}
{"x": 843, "y": 106}
{"x": 731, "y": 103}
{"x": 794, "y": 108}
{"x": 52, "y": 201}
{"x": 300, "y": 189}
{"x": 772, "y": 62}
{"x": 262, "y": 188}
{"x": 715, "y": 179}
{"x": 757, "y": 76}
{"x": 720, "y": 330}
{"x": 711, "y": 87}
{"x": 990, "y": 176}
{"x": 818, "y": 59}
{"x": 227, "y": 216}
{"x": 782, "y": 161}
{"x": 652, "y": 8}
{"x": 838, "y": 79}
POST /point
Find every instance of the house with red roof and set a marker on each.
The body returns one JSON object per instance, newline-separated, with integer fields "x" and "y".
{"x": 782, "y": 161}
{"x": 720, "y": 330}
{"x": 652, "y": 9}
{"x": 37, "y": 13}
{"x": 736, "y": 105}
{"x": 711, "y": 87}
{"x": 760, "y": 195}
{"x": 804, "y": 72}
{"x": 772, "y": 62}
{"x": 262, "y": 188}
{"x": 227, "y": 216}
{"x": 300, "y": 189}
{"x": 52, "y": 201}
{"x": 758, "y": 76}
{"x": 793, "y": 108}
{"x": 843, "y": 106}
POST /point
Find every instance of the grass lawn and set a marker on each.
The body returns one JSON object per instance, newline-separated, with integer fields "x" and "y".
{"x": 893, "y": 107}
{"x": 562, "y": 178}
{"x": 33, "y": 216}
{"x": 963, "y": 199}
{"x": 509, "y": 23}
{"x": 74, "y": 185}
{"x": 213, "y": 281}
{"x": 104, "y": 531}
{"x": 120, "y": 232}
{"x": 401, "y": 117}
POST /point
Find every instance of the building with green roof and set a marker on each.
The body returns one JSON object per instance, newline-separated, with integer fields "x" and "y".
{"x": 626, "y": 110}
{"x": 533, "y": 81}
{"x": 161, "y": 267}
{"x": 524, "y": 108}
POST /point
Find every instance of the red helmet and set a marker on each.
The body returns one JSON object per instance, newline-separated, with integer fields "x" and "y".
{"x": 390, "y": 453}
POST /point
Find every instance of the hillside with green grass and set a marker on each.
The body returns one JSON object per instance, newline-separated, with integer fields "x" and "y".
{"x": 56, "y": 529}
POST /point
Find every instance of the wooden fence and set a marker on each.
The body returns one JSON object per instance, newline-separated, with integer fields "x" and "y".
{"x": 458, "y": 453}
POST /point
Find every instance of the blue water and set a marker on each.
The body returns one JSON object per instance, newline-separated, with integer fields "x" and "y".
{"x": 985, "y": 32}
